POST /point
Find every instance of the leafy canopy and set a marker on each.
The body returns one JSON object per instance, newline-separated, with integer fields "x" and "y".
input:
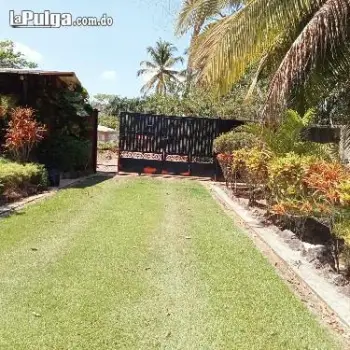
{"x": 10, "y": 58}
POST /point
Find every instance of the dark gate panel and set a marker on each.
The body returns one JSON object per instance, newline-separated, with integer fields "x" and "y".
{"x": 169, "y": 144}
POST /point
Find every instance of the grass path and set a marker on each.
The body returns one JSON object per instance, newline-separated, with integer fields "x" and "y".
{"x": 142, "y": 264}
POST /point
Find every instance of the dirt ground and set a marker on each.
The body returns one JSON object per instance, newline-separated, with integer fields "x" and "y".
{"x": 107, "y": 161}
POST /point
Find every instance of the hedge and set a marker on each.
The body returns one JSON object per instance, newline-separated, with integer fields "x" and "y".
{"x": 19, "y": 180}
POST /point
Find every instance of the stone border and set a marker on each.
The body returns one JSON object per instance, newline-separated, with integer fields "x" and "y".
{"x": 13, "y": 207}
{"x": 302, "y": 278}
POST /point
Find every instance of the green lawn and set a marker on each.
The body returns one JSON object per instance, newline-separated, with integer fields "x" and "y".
{"x": 142, "y": 264}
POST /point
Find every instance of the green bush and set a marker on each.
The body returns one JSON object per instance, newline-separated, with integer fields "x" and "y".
{"x": 109, "y": 121}
{"x": 286, "y": 176}
{"x": 107, "y": 146}
{"x": 232, "y": 141}
{"x": 66, "y": 153}
{"x": 252, "y": 165}
{"x": 21, "y": 179}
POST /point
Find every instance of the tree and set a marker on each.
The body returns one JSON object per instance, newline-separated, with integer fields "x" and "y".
{"x": 102, "y": 102}
{"x": 161, "y": 68}
{"x": 9, "y": 58}
{"x": 296, "y": 39}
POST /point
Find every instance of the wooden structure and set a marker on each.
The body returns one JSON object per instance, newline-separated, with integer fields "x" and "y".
{"x": 43, "y": 90}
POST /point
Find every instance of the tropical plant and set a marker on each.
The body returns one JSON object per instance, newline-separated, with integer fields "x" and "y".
{"x": 287, "y": 137}
{"x": 23, "y": 133}
{"x": 161, "y": 69}
{"x": 195, "y": 15}
{"x": 291, "y": 39}
{"x": 252, "y": 165}
{"x": 286, "y": 177}
{"x": 328, "y": 188}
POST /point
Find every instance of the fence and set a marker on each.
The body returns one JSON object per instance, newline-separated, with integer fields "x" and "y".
{"x": 169, "y": 144}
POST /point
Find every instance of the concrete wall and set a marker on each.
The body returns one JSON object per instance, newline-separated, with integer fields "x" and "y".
{"x": 107, "y": 136}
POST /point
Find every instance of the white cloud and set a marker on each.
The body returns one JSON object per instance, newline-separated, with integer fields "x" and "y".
{"x": 29, "y": 53}
{"x": 109, "y": 75}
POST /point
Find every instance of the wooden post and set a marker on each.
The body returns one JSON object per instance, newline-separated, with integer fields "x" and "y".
{"x": 94, "y": 117}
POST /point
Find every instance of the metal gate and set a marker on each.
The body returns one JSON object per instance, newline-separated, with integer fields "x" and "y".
{"x": 170, "y": 145}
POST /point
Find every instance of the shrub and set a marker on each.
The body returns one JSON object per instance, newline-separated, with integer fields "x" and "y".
{"x": 107, "y": 146}
{"x": 286, "y": 177}
{"x": 21, "y": 180}
{"x": 254, "y": 162}
{"x": 252, "y": 165}
{"x": 342, "y": 227}
{"x": 66, "y": 153}
{"x": 232, "y": 141}
{"x": 344, "y": 192}
{"x": 305, "y": 187}
{"x": 287, "y": 137}
{"x": 225, "y": 161}
{"x": 323, "y": 180}
{"x": 293, "y": 207}
{"x": 23, "y": 133}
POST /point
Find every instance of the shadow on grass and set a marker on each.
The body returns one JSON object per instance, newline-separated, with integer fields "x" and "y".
{"x": 90, "y": 182}
{"x": 93, "y": 181}
{"x": 10, "y": 212}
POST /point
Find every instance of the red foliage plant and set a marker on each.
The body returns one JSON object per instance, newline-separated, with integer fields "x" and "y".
{"x": 323, "y": 180}
{"x": 23, "y": 133}
{"x": 225, "y": 158}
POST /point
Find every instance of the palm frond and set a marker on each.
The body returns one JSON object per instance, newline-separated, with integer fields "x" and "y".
{"x": 256, "y": 77}
{"x": 149, "y": 85}
{"x": 194, "y": 12}
{"x": 174, "y": 60}
{"x": 228, "y": 47}
{"x": 148, "y": 64}
{"x": 143, "y": 72}
{"x": 319, "y": 41}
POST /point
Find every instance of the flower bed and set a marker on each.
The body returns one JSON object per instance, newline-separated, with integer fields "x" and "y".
{"x": 296, "y": 181}
{"x": 296, "y": 188}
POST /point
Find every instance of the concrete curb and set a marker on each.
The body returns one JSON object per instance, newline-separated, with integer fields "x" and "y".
{"x": 337, "y": 302}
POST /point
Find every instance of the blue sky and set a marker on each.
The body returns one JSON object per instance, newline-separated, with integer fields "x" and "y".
{"x": 105, "y": 59}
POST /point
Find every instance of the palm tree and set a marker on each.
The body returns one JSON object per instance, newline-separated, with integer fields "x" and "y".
{"x": 291, "y": 39}
{"x": 161, "y": 69}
